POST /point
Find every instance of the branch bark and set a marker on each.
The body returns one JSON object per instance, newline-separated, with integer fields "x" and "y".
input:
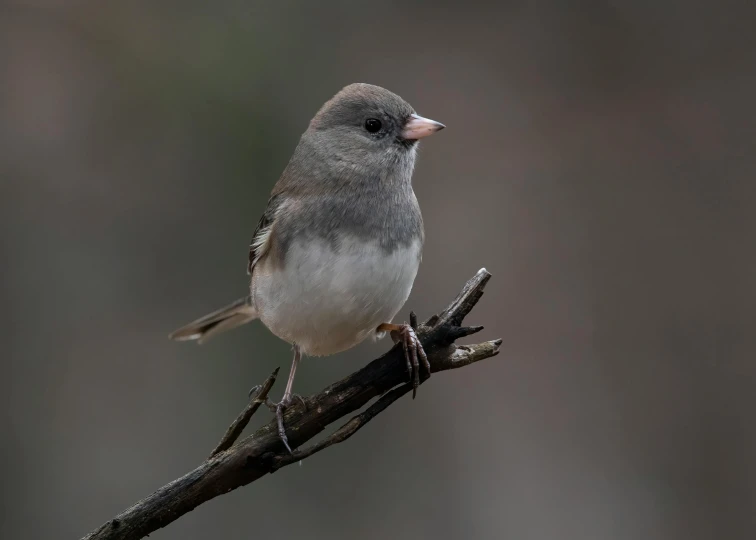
{"x": 232, "y": 466}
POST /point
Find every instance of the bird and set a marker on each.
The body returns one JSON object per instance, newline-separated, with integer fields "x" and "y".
{"x": 335, "y": 254}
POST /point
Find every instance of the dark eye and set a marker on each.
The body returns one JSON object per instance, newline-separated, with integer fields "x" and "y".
{"x": 373, "y": 125}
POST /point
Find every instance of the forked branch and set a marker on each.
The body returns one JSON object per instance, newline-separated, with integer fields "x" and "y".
{"x": 234, "y": 465}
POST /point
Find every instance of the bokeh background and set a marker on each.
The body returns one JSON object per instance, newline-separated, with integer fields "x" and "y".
{"x": 598, "y": 161}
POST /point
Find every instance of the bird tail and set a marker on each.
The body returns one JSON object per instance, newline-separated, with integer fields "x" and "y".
{"x": 240, "y": 312}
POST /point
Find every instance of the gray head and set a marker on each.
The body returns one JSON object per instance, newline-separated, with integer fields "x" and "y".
{"x": 371, "y": 117}
{"x": 363, "y": 133}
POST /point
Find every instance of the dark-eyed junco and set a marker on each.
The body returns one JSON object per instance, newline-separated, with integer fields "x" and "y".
{"x": 336, "y": 252}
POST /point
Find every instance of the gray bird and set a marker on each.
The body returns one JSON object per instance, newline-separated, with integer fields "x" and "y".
{"x": 336, "y": 252}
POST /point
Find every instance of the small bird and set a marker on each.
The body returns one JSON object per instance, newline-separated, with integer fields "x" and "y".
{"x": 336, "y": 252}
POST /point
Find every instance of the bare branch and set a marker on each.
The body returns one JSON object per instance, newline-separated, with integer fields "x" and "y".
{"x": 466, "y": 300}
{"x": 462, "y": 356}
{"x": 236, "y": 428}
{"x": 231, "y": 467}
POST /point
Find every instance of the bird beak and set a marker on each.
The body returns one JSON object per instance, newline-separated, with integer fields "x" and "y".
{"x": 418, "y": 127}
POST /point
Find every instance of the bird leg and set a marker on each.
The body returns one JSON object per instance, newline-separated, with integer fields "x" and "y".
{"x": 413, "y": 349}
{"x": 286, "y": 400}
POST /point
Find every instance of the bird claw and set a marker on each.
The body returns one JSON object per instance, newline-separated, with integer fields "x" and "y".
{"x": 413, "y": 350}
{"x": 281, "y": 429}
{"x": 278, "y": 409}
{"x": 285, "y": 401}
{"x": 254, "y": 390}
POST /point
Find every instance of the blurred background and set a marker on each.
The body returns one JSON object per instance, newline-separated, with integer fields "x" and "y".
{"x": 598, "y": 161}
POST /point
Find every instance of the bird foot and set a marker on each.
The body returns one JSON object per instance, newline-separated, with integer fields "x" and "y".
{"x": 278, "y": 409}
{"x": 413, "y": 350}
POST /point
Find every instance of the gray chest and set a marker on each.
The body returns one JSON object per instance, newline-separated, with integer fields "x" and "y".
{"x": 390, "y": 218}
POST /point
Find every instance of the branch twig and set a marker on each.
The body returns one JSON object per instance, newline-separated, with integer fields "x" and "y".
{"x": 238, "y": 425}
{"x": 231, "y": 466}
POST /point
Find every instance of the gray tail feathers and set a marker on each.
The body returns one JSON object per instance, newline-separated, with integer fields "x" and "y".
{"x": 240, "y": 312}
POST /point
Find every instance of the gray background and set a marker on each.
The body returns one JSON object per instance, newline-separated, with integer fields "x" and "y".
{"x": 598, "y": 161}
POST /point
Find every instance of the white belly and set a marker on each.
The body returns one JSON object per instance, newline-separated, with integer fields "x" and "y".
{"x": 328, "y": 300}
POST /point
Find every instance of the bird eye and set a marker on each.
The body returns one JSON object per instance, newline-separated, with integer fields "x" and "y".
{"x": 373, "y": 125}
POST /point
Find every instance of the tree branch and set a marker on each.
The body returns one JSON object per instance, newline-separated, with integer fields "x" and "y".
{"x": 230, "y": 467}
{"x": 238, "y": 425}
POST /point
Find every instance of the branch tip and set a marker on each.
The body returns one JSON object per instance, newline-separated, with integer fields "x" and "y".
{"x": 260, "y": 393}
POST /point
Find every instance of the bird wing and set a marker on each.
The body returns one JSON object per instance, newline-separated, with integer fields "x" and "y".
{"x": 260, "y": 243}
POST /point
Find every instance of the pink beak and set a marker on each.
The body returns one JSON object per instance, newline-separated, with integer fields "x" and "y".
{"x": 418, "y": 127}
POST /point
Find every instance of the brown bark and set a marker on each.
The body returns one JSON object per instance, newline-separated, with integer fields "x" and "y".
{"x": 232, "y": 466}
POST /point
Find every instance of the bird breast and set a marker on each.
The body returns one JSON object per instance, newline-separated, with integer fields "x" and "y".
{"x": 329, "y": 296}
